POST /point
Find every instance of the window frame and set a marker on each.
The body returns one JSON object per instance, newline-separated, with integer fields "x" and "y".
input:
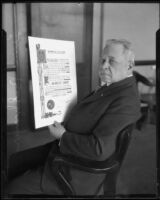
{"x": 23, "y": 71}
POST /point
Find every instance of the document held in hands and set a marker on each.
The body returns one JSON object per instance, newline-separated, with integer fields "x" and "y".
{"x": 53, "y": 70}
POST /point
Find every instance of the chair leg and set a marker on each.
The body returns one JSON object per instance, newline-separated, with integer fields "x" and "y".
{"x": 110, "y": 184}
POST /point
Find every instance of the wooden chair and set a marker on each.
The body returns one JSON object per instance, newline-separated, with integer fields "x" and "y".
{"x": 34, "y": 157}
{"x": 110, "y": 167}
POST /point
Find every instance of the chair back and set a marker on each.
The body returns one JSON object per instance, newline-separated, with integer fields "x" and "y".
{"x": 110, "y": 166}
{"x": 122, "y": 142}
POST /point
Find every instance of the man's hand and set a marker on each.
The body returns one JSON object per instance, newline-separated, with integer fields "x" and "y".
{"x": 56, "y": 130}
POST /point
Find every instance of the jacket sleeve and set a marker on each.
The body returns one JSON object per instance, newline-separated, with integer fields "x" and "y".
{"x": 100, "y": 144}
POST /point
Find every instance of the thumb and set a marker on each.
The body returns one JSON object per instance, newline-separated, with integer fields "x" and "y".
{"x": 57, "y": 124}
{"x": 50, "y": 127}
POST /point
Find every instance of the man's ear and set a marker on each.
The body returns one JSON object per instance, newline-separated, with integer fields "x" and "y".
{"x": 130, "y": 67}
{"x": 131, "y": 64}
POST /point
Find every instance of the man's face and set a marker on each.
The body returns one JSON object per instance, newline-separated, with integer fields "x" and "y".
{"x": 114, "y": 64}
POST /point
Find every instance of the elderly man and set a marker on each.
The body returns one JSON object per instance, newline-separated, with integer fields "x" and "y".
{"x": 91, "y": 128}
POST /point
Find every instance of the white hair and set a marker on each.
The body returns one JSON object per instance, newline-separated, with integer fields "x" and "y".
{"x": 126, "y": 45}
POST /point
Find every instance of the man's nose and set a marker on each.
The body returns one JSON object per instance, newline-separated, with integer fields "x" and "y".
{"x": 106, "y": 65}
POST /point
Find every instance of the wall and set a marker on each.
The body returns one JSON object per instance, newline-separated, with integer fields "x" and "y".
{"x": 137, "y": 22}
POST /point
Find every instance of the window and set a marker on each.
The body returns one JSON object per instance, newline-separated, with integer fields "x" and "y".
{"x": 67, "y": 21}
{"x": 9, "y": 27}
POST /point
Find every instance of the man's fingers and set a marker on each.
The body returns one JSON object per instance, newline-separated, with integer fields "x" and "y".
{"x": 52, "y": 127}
{"x": 57, "y": 124}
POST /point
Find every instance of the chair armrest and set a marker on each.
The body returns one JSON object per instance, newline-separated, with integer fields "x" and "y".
{"x": 95, "y": 167}
{"x": 86, "y": 165}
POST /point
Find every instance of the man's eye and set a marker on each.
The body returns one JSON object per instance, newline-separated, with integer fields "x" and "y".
{"x": 103, "y": 61}
{"x": 111, "y": 61}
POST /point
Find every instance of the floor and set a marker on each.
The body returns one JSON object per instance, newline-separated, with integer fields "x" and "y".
{"x": 138, "y": 172}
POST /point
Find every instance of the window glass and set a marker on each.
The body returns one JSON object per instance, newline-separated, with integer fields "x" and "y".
{"x": 8, "y": 26}
{"x": 59, "y": 21}
{"x": 11, "y": 98}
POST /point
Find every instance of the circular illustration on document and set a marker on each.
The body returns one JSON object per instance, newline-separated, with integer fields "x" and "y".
{"x": 50, "y": 104}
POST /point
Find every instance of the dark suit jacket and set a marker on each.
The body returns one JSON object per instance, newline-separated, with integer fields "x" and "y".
{"x": 91, "y": 130}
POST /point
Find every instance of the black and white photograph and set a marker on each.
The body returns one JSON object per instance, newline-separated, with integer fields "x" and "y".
{"x": 80, "y": 94}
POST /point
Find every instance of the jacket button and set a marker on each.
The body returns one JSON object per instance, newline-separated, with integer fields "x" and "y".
{"x": 102, "y": 95}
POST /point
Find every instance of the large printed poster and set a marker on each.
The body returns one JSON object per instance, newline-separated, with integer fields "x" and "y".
{"x": 54, "y": 81}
